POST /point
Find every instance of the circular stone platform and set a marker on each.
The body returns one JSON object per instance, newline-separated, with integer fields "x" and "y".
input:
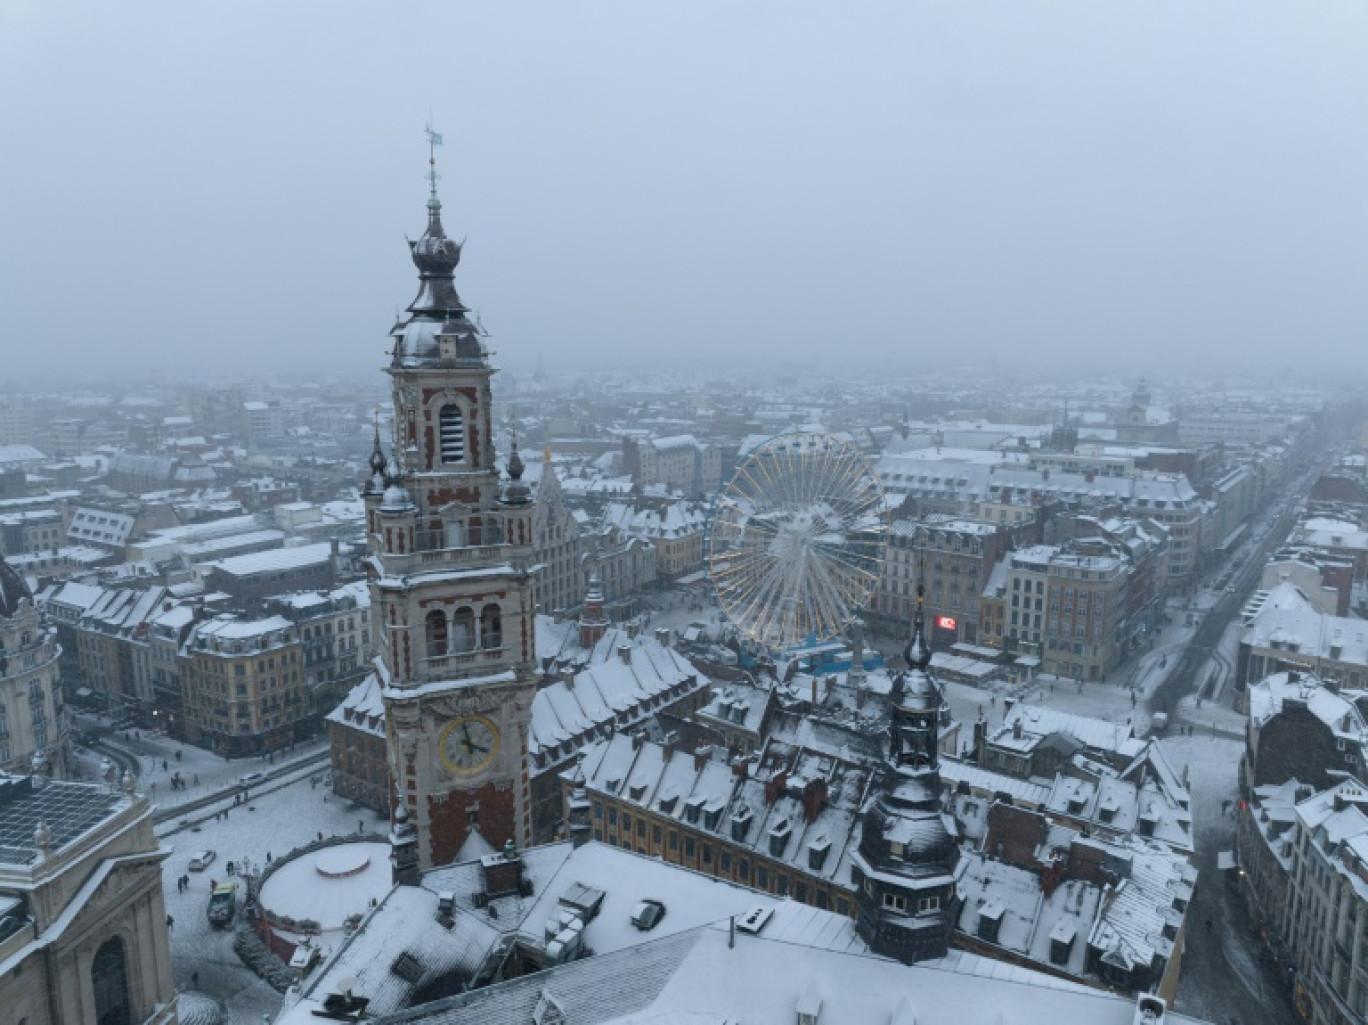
{"x": 328, "y": 885}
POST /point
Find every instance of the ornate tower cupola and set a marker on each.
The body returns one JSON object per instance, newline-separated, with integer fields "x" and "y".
{"x": 450, "y": 561}
{"x": 593, "y": 622}
{"x": 907, "y": 864}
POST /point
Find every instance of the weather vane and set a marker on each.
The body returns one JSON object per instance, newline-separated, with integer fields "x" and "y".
{"x": 434, "y": 140}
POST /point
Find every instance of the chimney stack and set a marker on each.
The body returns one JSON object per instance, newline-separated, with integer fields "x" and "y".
{"x": 625, "y": 653}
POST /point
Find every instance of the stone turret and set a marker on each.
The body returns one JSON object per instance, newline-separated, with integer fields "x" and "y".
{"x": 577, "y": 807}
{"x": 593, "y": 622}
{"x": 403, "y": 848}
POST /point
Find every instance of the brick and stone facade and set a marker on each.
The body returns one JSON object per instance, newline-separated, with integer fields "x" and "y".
{"x": 450, "y": 572}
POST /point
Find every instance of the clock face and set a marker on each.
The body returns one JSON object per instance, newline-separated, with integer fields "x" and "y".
{"x": 468, "y": 744}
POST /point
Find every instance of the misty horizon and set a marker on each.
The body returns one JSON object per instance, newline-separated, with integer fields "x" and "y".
{"x": 883, "y": 191}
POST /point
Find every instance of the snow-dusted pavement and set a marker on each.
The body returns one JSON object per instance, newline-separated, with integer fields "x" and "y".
{"x": 272, "y": 824}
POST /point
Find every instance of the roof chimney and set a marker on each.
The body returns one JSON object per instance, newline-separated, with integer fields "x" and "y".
{"x": 809, "y": 1006}
{"x": 625, "y": 653}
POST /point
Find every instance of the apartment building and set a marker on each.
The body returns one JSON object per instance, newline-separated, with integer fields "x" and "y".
{"x": 955, "y": 558}
{"x": 242, "y": 685}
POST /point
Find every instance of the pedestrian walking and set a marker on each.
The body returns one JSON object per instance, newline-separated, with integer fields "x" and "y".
{"x": 194, "y": 980}
{"x": 165, "y": 766}
{"x": 170, "y": 921}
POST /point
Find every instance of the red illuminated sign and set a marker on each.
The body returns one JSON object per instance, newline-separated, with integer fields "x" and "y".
{"x": 945, "y": 622}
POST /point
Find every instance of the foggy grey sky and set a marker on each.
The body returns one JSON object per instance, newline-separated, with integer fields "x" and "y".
{"x": 191, "y": 186}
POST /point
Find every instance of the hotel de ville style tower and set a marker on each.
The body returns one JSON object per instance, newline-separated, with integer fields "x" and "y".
{"x": 449, "y": 565}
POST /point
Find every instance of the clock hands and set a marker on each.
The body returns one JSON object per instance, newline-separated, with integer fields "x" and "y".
{"x": 472, "y": 746}
{"x": 469, "y": 744}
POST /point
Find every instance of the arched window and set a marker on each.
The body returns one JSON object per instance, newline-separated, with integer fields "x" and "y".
{"x": 491, "y": 627}
{"x": 452, "y": 433}
{"x": 463, "y": 630}
{"x": 109, "y": 980}
{"x": 436, "y": 634}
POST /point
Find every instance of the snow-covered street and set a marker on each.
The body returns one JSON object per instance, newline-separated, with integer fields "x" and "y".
{"x": 273, "y": 823}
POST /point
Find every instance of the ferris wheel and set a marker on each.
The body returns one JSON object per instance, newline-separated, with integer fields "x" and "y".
{"x": 796, "y": 540}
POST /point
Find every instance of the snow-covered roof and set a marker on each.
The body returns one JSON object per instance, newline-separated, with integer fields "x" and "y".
{"x": 278, "y": 559}
{"x": 20, "y": 455}
{"x": 703, "y": 975}
{"x": 607, "y": 691}
{"x": 363, "y": 708}
{"x": 1039, "y": 722}
{"x": 973, "y": 475}
{"x": 1288, "y": 621}
{"x": 1267, "y": 698}
{"x": 708, "y": 796}
{"x": 406, "y": 921}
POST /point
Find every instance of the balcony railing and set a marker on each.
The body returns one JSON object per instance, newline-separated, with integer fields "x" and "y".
{"x": 442, "y": 558}
{"x": 441, "y": 665}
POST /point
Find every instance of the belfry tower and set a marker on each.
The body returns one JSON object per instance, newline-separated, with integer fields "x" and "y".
{"x": 450, "y": 553}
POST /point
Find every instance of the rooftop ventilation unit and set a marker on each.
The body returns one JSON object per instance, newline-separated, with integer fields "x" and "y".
{"x": 754, "y": 920}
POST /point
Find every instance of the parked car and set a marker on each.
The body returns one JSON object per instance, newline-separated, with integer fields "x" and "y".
{"x": 250, "y": 778}
{"x": 202, "y": 860}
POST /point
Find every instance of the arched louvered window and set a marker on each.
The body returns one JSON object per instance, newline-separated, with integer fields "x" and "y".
{"x": 436, "y": 634}
{"x": 463, "y": 630}
{"x": 452, "y": 434}
{"x": 491, "y": 627}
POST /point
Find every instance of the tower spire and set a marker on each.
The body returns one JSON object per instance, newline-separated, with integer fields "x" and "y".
{"x": 434, "y": 140}
{"x": 917, "y": 654}
{"x": 436, "y": 257}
